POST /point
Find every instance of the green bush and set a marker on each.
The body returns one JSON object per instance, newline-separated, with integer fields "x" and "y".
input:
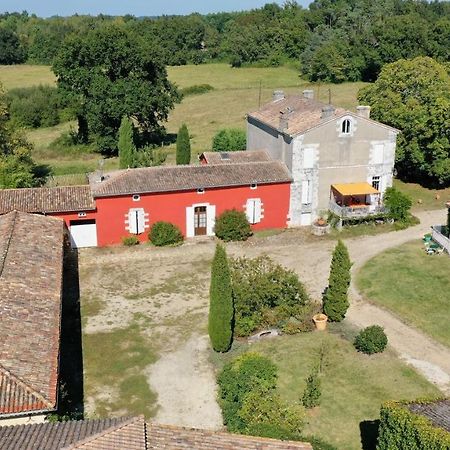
{"x": 400, "y": 429}
{"x": 371, "y": 340}
{"x": 335, "y": 299}
{"x": 229, "y": 140}
{"x": 36, "y": 106}
{"x": 165, "y": 233}
{"x": 398, "y": 204}
{"x": 232, "y": 225}
{"x": 196, "y": 89}
{"x": 312, "y": 392}
{"x": 220, "y": 317}
{"x": 266, "y": 294}
{"x": 130, "y": 240}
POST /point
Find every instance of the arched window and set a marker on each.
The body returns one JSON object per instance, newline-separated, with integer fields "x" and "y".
{"x": 346, "y": 124}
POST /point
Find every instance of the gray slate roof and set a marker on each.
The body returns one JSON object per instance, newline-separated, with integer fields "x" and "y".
{"x": 47, "y": 200}
{"x": 184, "y": 178}
{"x": 438, "y": 412}
{"x": 235, "y": 157}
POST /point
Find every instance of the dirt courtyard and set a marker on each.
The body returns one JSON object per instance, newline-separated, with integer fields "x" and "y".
{"x": 162, "y": 295}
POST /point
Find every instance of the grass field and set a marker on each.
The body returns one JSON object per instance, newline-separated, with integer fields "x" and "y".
{"x": 424, "y": 198}
{"x": 353, "y": 384}
{"x": 413, "y": 285}
{"x": 24, "y": 75}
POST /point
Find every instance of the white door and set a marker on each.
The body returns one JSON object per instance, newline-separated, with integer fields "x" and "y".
{"x": 83, "y": 233}
{"x": 305, "y": 219}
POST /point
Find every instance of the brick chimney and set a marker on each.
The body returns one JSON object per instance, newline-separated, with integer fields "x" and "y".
{"x": 277, "y": 95}
{"x": 363, "y": 111}
{"x": 309, "y": 94}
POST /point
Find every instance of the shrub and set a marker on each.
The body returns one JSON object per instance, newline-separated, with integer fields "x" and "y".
{"x": 312, "y": 393}
{"x": 335, "y": 299}
{"x": 399, "y": 204}
{"x": 165, "y": 233}
{"x": 237, "y": 379}
{"x": 183, "y": 150}
{"x": 232, "y": 225}
{"x": 130, "y": 240}
{"x": 220, "y": 318}
{"x": 371, "y": 340}
{"x": 196, "y": 89}
{"x": 401, "y": 429}
{"x": 126, "y": 146}
{"x": 229, "y": 140}
{"x": 265, "y": 294}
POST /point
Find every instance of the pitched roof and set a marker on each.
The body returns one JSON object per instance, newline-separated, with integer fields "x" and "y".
{"x": 301, "y": 114}
{"x": 47, "y": 200}
{"x": 31, "y": 252}
{"x": 130, "y": 434}
{"x": 235, "y": 157}
{"x": 184, "y": 178}
{"x": 56, "y": 436}
{"x": 166, "y": 436}
{"x": 438, "y": 412}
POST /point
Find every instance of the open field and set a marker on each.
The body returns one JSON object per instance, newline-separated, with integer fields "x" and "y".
{"x": 25, "y": 75}
{"x": 412, "y": 284}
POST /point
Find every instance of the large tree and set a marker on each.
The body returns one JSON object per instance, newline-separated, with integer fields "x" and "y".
{"x": 110, "y": 73}
{"x": 220, "y": 319}
{"x": 414, "y": 96}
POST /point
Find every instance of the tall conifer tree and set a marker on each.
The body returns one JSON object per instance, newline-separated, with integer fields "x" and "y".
{"x": 126, "y": 145}
{"x": 220, "y": 320}
{"x": 335, "y": 299}
{"x": 183, "y": 146}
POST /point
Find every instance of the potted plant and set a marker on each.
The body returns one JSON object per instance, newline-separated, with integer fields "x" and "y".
{"x": 321, "y": 225}
{"x": 320, "y": 321}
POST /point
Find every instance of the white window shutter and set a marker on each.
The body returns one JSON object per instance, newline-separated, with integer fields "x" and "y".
{"x": 378, "y": 154}
{"x": 250, "y": 210}
{"x": 257, "y": 210}
{"x": 132, "y": 223}
{"x": 140, "y": 221}
{"x": 306, "y": 195}
{"x": 211, "y": 219}
{"x": 190, "y": 221}
{"x": 308, "y": 158}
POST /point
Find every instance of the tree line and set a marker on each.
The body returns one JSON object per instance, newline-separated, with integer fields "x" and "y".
{"x": 332, "y": 40}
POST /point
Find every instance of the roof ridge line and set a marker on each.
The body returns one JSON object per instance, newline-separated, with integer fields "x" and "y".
{"x": 106, "y": 431}
{"x": 8, "y": 243}
{"x": 25, "y": 385}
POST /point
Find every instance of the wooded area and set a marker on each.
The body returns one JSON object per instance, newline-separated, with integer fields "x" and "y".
{"x": 332, "y": 40}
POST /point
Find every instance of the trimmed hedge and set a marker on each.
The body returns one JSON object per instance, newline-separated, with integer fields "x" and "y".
{"x": 165, "y": 233}
{"x": 232, "y": 225}
{"x": 371, "y": 340}
{"x": 400, "y": 429}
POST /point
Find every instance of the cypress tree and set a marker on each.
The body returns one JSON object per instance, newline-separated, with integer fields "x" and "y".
{"x": 126, "y": 145}
{"x": 183, "y": 146}
{"x": 220, "y": 320}
{"x": 335, "y": 299}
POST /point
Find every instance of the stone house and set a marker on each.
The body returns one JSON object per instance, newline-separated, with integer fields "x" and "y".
{"x": 339, "y": 160}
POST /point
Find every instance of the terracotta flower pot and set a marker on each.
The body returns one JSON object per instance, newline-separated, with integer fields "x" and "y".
{"x": 320, "y": 320}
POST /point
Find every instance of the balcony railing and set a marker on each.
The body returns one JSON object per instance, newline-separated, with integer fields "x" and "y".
{"x": 439, "y": 235}
{"x": 359, "y": 211}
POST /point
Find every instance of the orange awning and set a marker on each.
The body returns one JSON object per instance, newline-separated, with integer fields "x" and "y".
{"x": 354, "y": 189}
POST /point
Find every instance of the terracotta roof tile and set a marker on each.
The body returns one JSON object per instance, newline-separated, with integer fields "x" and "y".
{"x": 236, "y": 157}
{"x": 47, "y": 200}
{"x": 166, "y": 436}
{"x": 180, "y": 178}
{"x": 54, "y": 436}
{"x": 31, "y": 253}
{"x": 304, "y": 114}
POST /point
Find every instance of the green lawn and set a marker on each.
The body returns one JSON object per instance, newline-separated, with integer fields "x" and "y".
{"x": 353, "y": 384}
{"x": 424, "y": 198}
{"x": 413, "y": 285}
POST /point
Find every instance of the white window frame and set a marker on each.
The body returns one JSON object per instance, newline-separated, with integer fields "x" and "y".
{"x": 136, "y": 221}
{"x": 306, "y": 192}
{"x": 308, "y": 157}
{"x": 210, "y": 219}
{"x": 346, "y": 126}
{"x": 253, "y": 186}
{"x": 376, "y": 182}
{"x": 136, "y": 197}
{"x": 254, "y": 210}
{"x": 200, "y": 191}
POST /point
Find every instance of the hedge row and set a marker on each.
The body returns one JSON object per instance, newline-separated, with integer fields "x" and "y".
{"x": 400, "y": 429}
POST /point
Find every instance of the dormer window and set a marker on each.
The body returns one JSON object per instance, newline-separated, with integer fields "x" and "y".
{"x": 346, "y": 126}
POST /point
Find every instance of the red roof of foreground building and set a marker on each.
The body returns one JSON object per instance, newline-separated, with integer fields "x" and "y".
{"x": 131, "y": 434}
{"x": 31, "y": 255}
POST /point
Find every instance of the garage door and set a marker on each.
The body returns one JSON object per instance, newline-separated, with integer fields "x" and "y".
{"x": 83, "y": 233}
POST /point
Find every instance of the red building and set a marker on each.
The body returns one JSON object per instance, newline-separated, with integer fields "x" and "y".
{"x": 128, "y": 202}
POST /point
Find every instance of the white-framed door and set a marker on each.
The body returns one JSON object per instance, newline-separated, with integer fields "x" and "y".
{"x": 83, "y": 233}
{"x": 200, "y": 220}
